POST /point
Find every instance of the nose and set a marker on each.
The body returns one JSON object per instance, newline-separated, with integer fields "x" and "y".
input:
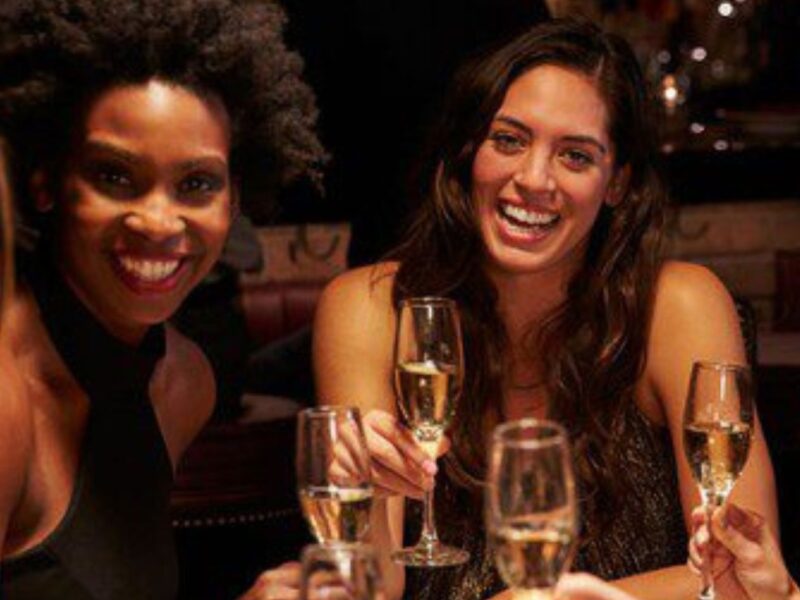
{"x": 156, "y": 217}
{"x": 534, "y": 173}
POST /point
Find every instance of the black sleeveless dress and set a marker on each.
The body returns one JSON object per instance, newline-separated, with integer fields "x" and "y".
{"x": 649, "y": 533}
{"x": 115, "y": 540}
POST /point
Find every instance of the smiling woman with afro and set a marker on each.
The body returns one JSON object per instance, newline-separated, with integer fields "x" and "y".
{"x": 136, "y": 129}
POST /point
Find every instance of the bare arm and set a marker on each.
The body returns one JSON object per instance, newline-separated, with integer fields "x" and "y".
{"x": 694, "y": 318}
{"x": 352, "y": 351}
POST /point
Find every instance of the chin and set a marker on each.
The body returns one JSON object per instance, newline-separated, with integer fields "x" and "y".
{"x": 511, "y": 261}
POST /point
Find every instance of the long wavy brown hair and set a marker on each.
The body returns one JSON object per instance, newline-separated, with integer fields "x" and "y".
{"x": 593, "y": 344}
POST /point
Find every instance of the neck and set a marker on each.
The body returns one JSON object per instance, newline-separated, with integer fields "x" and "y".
{"x": 129, "y": 333}
{"x": 525, "y": 300}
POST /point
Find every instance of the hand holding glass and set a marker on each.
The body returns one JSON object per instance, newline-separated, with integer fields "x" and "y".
{"x": 717, "y": 429}
{"x": 429, "y": 373}
{"x": 333, "y": 473}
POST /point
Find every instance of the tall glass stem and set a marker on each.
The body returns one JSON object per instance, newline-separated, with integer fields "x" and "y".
{"x": 707, "y": 588}
{"x": 429, "y": 537}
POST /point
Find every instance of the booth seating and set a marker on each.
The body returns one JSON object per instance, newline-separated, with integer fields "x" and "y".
{"x": 234, "y": 504}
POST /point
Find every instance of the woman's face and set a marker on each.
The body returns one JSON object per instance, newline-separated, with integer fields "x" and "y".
{"x": 543, "y": 172}
{"x": 146, "y": 203}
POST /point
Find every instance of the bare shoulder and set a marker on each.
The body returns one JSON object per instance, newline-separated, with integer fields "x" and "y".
{"x": 683, "y": 285}
{"x": 358, "y": 302}
{"x": 694, "y": 318}
{"x": 353, "y": 336}
{"x": 364, "y": 287}
{"x": 692, "y": 303}
{"x": 183, "y": 392}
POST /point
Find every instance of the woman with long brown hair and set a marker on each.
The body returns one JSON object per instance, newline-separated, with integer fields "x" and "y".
{"x": 541, "y": 215}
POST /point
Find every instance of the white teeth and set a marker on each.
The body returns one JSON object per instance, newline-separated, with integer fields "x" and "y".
{"x": 149, "y": 270}
{"x": 527, "y": 216}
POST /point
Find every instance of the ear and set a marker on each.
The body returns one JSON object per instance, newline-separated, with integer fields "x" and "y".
{"x": 618, "y": 186}
{"x": 41, "y": 192}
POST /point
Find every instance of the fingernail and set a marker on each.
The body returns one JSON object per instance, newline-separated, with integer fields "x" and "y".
{"x": 430, "y": 467}
{"x": 702, "y": 535}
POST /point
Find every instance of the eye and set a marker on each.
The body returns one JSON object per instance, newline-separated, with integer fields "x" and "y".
{"x": 200, "y": 184}
{"x": 111, "y": 178}
{"x": 577, "y": 160}
{"x": 111, "y": 175}
{"x": 506, "y": 142}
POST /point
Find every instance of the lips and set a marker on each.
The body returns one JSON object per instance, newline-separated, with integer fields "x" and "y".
{"x": 525, "y": 223}
{"x": 149, "y": 274}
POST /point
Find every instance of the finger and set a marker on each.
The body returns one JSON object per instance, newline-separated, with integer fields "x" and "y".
{"x": 389, "y": 428}
{"x": 695, "y": 561}
{"x": 287, "y": 574}
{"x": 580, "y": 586}
{"x": 747, "y": 522}
{"x": 385, "y": 452}
{"x": 388, "y": 483}
{"x": 330, "y": 592}
{"x": 745, "y": 550}
{"x": 344, "y": 470}
{"x": 281, "y": 593}
{"x": 701, "y": 538}
{"x": 696, "y": 570}
{"x": 390, "y": 466}
{"x": 698, "y": 518}
{"x": 352, "y": 436}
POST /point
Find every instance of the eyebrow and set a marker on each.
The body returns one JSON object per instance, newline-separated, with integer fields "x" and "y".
{"x": 581, "y": 139}
{"x": 132, "y": 158}
{"x": 119, "y": 153}
{"x": 195, "y": 163}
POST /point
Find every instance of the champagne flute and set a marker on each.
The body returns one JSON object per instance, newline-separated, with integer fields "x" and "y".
{"x": 333, "y": 473}
{"x": 530, "y": 506}
{"x": 717, "y": 429}
{"x": 429, "y": 372}
{"x": 340, "y": 571}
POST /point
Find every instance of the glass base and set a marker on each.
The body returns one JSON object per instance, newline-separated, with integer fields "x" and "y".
{"x": 707, "y": 594}
{"x": 431, "y": 555}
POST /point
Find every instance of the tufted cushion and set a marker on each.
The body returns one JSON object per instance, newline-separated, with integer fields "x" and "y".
{"x": 275, "y": 310}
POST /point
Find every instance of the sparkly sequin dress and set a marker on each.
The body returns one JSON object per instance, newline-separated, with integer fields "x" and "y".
{"x": 631, "y": 544}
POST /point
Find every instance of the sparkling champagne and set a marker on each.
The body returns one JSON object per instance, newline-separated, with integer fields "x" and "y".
{"x": 531, "y": 554}
{"x": 337, "y": 514}
{"x": 717, "y": 453}
{"x": 427, "y": 393}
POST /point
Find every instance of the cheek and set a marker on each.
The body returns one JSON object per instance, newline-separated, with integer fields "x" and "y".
{"x": 587, "y": 192}
{"x": 214, "y": 227}
{"x": 489, "y": 175}
{"x": 81, "y": 217}
{"x": 487, "y": 170}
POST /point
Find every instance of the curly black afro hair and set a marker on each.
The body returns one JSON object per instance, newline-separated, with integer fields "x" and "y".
{"x": 56, "y": 55}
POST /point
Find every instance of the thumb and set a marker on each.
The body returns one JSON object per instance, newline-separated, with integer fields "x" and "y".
{"x": 738, "y": 531}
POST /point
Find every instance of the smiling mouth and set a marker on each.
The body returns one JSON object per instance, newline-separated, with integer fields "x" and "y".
{"x": 149, "y": 274}
{"x": 525, "y": 220}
